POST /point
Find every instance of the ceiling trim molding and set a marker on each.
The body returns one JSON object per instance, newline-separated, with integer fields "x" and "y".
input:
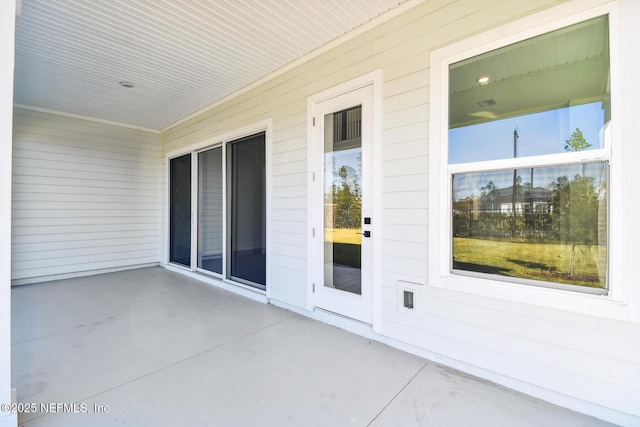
{"x": 81, "y": 117}
{"x": 390, "y": 14}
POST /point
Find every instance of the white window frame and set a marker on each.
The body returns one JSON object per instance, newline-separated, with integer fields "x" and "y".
{"x": 613, "y": 304}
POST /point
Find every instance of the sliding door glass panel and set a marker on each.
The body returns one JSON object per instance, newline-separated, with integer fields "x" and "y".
{"x": 180, "y": 210}
{"x": 210, "y": 239}
{"x": 247, "y": 209}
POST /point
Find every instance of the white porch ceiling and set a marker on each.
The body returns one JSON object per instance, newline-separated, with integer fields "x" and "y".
{"x": 181, "y": 55}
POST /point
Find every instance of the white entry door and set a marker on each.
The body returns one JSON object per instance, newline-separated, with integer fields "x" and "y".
{"x": 341, "y": 188}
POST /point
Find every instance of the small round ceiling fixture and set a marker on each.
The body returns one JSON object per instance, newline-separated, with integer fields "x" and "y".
{"x": 128, "y": 85}
{"x": 484, "y": 80}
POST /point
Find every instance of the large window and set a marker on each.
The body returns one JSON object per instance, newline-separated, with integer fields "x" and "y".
{"x": 528, "y": 160}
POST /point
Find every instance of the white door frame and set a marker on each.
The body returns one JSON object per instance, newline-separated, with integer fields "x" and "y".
{"x": 372, "y": 81}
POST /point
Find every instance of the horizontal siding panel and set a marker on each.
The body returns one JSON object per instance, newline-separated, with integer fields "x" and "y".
{"x": 602, "y": 344}
{"x": 83, "y": 244}
{"x": 58, "y": 123}
{"x": 299, "y": 178}
{"x": 81, "y": 229}
{"x": 297, "y": 264}
{"x": 87, "y": 175}
{"x": 52, "y": 144}
{"x": 405, "y": 232}
{"x": 394, "y": 133}
{"x": 289, "y": 192}
{"x": 290, "y": 156}
{"x": 36, "y": 239}
{"x": 284, "y": 145}
{"x": 288, "y": 292}
{"x": 48, "y": 222}
{"x": 98, "y": 169}
{"x": 400, "y": 167}
{"x": 417, "y": 182}
{"x": 407, "y": 65}
{"x": 288, "y": 169}
{"x": 296, "y": 203}
{"x": 23, "y": 190}
{"x": 295, "y": 239}
{"x": 96, "y": 150}
{"x": 44, "y": 136}
{"x": 407, "y": 85}
{"x": 411, "y": 250}
{"x": 79, "y": 253}
{"x": 83, "y": 259}
{"x": 74, "y": 205}
{"x": 402, "y": 101}
{"x": 400, "y": 264}
{"x": 81, "y": 213}
{"x": 406, "y": 149}
{"x": 405, "y": 199}
{"x": 400, "y": 216}
{"x": 289, "y": 227}
{"x": 294, "y": 275}
{"x": 45, "y": 182}
{"x": 294, "y": 133}
{"x": 409, "y": 25}
{"x": 123, "y": 163}
{"x": 407, "y": 115}
{"x": 45, "y": 273}
{"x": 86, "y": 196}
{"x": 289, "y": 250}
{"x": 299, "y": 215}
{"x": 584, "y": 321}
{"x": 288, "y": 289}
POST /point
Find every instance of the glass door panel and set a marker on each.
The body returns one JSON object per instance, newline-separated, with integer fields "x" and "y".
{"x": 180, "y": 210}
{"x": 210, "y": 236}
{"x": 343, "y": 200}
{"x": 247, "y": 210}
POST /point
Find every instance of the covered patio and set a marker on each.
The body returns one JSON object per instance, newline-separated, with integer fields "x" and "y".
{"x": 170, "y": 246}
{"x": 153, "y": 347}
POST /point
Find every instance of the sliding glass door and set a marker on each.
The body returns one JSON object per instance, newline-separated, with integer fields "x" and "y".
{"x": 210, "y": 204}
{"x": 231, "y": 211}
{"x": 180, "y": 210}
{"x": 246, "y": 184}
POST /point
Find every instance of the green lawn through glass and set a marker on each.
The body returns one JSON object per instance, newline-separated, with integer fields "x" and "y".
{"x": 550, "y": 262}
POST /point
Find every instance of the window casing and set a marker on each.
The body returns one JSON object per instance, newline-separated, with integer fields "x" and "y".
{"x": 481, "y": 170}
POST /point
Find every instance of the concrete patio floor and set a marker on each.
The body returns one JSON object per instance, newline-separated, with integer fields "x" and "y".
{"x": 151, "y": 347}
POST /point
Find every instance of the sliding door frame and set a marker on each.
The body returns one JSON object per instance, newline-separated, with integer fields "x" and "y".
{"x": 221, "y": 140}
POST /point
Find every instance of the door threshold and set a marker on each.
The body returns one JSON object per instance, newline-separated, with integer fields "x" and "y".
{"x": 343, "y": 322}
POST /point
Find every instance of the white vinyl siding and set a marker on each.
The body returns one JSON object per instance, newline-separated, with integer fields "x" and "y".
{"x": 549, "y": 352}
{"x": 89, "y": 197}
{"x": 86, "y": 197}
